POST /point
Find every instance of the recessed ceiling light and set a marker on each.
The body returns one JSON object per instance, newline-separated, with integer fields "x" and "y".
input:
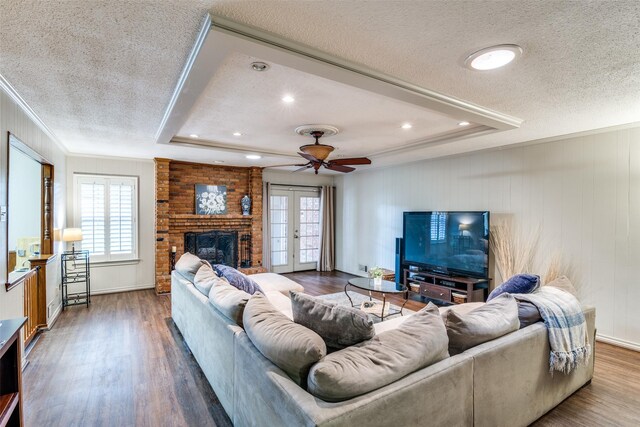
{"x": 217, "y": 162}
{"x": 193, "y": 135}
{"x": 253, "y": 156}
{"x": 259, "y": 66}
{"x": 237, "y": 134}
{"x": 288, "y": 99}
{"x": 465, "y": 123}
{"x": 493, "y": 57}
{"x": 407, "y": 126}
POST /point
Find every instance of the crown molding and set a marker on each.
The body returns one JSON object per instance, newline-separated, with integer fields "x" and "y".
{"x": 15, "y": 96}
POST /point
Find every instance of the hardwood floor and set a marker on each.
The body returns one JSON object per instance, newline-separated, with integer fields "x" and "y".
{"x": 122, "y": 362}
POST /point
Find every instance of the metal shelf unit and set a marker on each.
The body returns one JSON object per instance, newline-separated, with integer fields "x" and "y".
{"x": 75, "y": 272}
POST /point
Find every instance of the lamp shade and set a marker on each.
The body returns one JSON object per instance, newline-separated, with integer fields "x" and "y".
{"x": 464, "y": 227}
{"x": 71, "y": 234}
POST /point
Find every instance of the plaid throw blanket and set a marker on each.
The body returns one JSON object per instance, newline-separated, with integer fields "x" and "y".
{"x": 568, "y": 336}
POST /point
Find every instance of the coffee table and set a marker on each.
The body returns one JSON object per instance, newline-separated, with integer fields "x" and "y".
{"x": 384, "y": 288}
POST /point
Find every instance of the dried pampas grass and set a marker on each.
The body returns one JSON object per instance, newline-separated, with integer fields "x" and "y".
{"x": 556, "y": 268}
{"x": 513, "y": 250}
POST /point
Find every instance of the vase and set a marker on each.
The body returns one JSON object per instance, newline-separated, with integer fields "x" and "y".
{"x": 377, "y": 281}
{"x": 246, "y": 205}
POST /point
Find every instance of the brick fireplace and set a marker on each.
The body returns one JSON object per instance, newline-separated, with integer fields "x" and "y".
{"x": 175, "y": 210}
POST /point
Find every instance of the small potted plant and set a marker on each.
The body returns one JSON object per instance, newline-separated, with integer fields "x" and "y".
{"x": 376, "y": 274}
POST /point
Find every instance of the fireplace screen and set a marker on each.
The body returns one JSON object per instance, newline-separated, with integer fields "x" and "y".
{"x": 217, "y": 247}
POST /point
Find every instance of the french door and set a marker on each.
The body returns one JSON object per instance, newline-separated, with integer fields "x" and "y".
{"x": 295, "y": 229}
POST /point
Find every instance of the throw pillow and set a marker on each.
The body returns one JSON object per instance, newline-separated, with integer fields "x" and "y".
{"x": 228, "y": 300}
{"x": 494, "y": 319}
{"x": 205, "y": 278}
{"x": 565, "y": 284}
{"x": 420, "y": 341}
{"x": 188, "y": 265}
{"x": 518, "y": 284}
{"x": 528, "y": 314}
{"x": 291, "y": 347}
{"x": 237, "y": 279}
{"x": 338, "y": 325}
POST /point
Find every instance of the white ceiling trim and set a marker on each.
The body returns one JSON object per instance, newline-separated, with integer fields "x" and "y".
{"x": 200, "y": 143}
{"x": 219, "y": 37}
{"x": 161, "y": 133}
{"x": 13, "y": 94}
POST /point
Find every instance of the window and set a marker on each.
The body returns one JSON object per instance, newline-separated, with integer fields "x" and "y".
{"x": 106, "y": 211}
{"x": 309, "y": 229}
{"x": 438, "y": 227}
{"x": 279, "y": 235}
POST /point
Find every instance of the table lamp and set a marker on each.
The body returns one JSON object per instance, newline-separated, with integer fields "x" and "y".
{"x": 72, "y": 235}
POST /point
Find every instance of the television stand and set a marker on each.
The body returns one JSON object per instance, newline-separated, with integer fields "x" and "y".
{"x": 448, "y": 289}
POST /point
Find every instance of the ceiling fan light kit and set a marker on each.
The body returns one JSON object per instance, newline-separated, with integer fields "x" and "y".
{"x": 317, "y": 153}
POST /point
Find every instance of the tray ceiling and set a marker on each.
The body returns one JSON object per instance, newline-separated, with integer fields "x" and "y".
{"x": 220, "y": 95}
{"x": 101, "y": 74}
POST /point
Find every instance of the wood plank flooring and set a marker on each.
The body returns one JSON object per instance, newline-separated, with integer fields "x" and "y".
{"x": 122, "y": 362}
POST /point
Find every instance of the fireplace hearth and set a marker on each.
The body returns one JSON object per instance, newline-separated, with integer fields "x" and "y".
{"x": 217, "y": 247}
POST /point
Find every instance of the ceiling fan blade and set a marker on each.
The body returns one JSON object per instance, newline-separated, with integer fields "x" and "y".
{"x": 281, "y": 166}
{"x": 307, "y": 166}
{"x": 308, "y": 157}
{"x": 351, "y": 161}
{"x": 339, "y": 168}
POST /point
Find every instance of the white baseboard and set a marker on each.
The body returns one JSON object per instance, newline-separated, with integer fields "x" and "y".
{"x": 54, "y": 317}
{"x": 121, "y": 289}
{"x": 618, "y": 342}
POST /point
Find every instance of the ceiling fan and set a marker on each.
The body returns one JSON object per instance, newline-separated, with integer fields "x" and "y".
{"x": 317, "y": 153}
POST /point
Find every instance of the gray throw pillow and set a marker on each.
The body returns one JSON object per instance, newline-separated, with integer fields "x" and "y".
{"x": 494, "y": 319}
{"x": 420, "y": 341}
{"x": 528, "y": 314}
{"x": 228, "y": 300}
{"x": 205, "y": 278}
{"x": 338, "y": 325}
{"x": 188, "y": 265}
{"x": 291, "y": 347}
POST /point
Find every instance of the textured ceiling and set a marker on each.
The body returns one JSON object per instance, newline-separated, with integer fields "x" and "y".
{"x": 240, "y": 99}
{"x": 100, "y": 73}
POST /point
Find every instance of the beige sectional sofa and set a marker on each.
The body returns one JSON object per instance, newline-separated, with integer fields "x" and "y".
{"x": 502, "y": 382}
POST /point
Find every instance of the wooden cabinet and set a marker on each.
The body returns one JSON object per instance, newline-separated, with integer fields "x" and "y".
{"x": 448, "y": 289}
{"x": 10, "y": 372}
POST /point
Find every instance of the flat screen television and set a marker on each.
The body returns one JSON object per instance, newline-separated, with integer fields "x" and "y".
{"x": 447, "y": 242}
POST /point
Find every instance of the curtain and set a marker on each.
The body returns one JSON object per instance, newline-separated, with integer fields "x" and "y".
{"x": 266, "y": 225}
{"x": 326, "y": 258}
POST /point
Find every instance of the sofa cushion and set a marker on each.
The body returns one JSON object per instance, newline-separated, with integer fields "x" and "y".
{"x": 528, "y": 314}
{"x": 237, "y": 279}
{"x": 565, "y": 284}
{"x": 228, "y": 300}
{"x": 518, "y": 284}
{"x": 270, "y": 282}
{"x": 188, "y": 265}
{"x": 291, "y": 347}
{"x": 494, "y": 319}
{"x": 461, "y": 309}
{"x": 389, "y": 356}
{"x": 205, "y": 278}
{"x": 338, "y": 325}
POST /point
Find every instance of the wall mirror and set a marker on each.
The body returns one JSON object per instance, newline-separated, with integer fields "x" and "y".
{"x": 29, "y": 218}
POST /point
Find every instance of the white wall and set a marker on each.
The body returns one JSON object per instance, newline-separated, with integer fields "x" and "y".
{"x": 583, "y": 193}
{"x": 117, "y": 277}
{"x": 297, "y": 178}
